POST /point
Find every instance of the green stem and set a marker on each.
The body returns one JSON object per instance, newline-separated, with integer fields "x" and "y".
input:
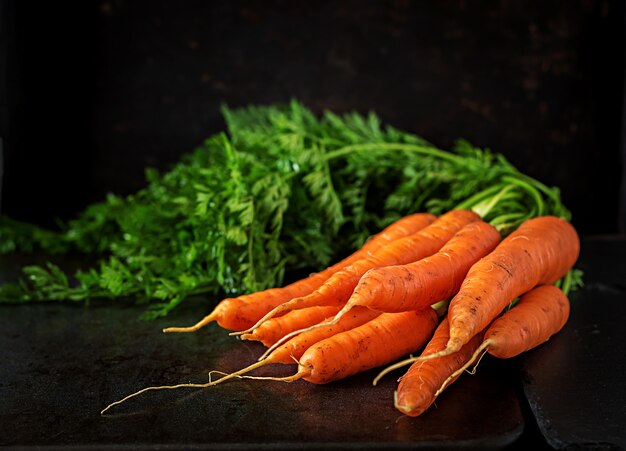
{"x": 478, "y": 197}
{"x": 483, "y": 208}
{"x": 424, "y": 150}
{"x": 506, "y": 218}
{"x": 567, "y": 282}
{"x": 530, "y": 189}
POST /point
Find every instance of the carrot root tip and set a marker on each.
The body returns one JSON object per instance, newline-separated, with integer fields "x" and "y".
{"x": 203, "y": 322}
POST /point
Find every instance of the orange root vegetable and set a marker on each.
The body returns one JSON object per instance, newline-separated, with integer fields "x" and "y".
{"x": 273, "y": 330}
{"x": 387, "y": 337}
{"x": 540, "y": 251}
{"x": 339, "y": 287}
{"x": 243, "y": 311}
{"x": 427, "y": 281}
{"x": 418, "y": 388}
{"x": 538, "y": 315}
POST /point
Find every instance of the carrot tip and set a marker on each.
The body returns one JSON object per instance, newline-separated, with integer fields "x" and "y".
{"x": 400, "y": 407}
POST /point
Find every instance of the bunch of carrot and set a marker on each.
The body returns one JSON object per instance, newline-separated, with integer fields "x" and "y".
{"x": 438, "y": 283}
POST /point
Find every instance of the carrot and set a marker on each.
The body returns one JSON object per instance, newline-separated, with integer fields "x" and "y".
{"x": 379, "y": 341}
{"x": 539, "y": 314}
{"x": 418, "y": 388}
{"x": 539, "y": 252}
{"x": 276, "y": 328}
{"x": 338, "y": 288}
{"x": 296, "y": 345}
{"x": 243, "y": 311}
{"x": 422, "y": 283}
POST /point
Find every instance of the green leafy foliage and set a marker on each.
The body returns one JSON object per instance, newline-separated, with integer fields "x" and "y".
{"x": 282, "y": 189}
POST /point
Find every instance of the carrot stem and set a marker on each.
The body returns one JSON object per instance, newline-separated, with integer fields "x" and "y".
{"x": 483, "y": 208}
{"x": 478, "y": 197}
{"x": 425, "y": 150}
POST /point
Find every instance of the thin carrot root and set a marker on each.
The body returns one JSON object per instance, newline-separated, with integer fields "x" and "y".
{"x": 331, "y": 322}
{"x": 277, "y": 344}
{"x": 437, "y": 355}
{"x": 216, "y": 372}
{"x": 241, "y": 371}
{"x": 409, "y": 361}
{"x": 393, "y": 367}
{"x": 203, "y": 322}
{"x": 290, "y": 335}
{"x": 293, "y": 378}
{"x": 287, "y": 337}
{"x": 478, "y": 354}
{"x": 162, "y": 387}
{"x": 211, "y": 383}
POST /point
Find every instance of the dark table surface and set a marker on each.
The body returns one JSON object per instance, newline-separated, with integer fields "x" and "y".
{"x": 63, "y": 362}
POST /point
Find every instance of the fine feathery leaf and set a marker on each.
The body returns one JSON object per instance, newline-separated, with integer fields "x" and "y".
{"x": 281, "y": 189}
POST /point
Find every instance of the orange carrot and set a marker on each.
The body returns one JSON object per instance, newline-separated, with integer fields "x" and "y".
{"x": 422, "y": 283}
{"x": 338, "y": 288}
{"x": 539, "y": 314}
{"x": 273, "y": 330}
{"x": 418, "y": 388}
{"x": 379, "y": 341}
{"x": 540, "y": 251}
{"x": 243, "y": 311}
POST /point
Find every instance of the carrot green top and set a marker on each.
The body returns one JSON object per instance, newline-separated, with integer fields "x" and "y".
{"x": 282, "y": 189}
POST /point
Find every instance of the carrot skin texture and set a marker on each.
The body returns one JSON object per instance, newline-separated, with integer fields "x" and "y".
{"x": 417, "y": 388}
{"x": 297, "y": 345}
{"x": 274, "y": 329}
{"x": 422, "y": 283}
{"x": 539, "y": 314}
{"x": 379, "y": 341}
{"x": 340, "y": 286}
{"x": 241, "y": 312}
{"x": 540, "y": 251}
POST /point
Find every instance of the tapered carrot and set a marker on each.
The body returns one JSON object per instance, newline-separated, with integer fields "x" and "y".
{"x": 273, "y": 330}
{"x": 338, "y": 288}
{"x": 540, "y": 251}
{"x": 418, "y": 388}
{"x": 296, "y": 342}
{"x": 378, "y": 341}
{"x": 539, "y": 314}
{"x": 243, "y": 311}
{"x": 422, "y": 283}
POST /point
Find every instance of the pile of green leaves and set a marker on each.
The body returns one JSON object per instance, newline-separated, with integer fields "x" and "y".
{"x": 281, "y": 190}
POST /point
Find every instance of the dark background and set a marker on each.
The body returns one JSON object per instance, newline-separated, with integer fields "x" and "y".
{"x": 92, "y": 92}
